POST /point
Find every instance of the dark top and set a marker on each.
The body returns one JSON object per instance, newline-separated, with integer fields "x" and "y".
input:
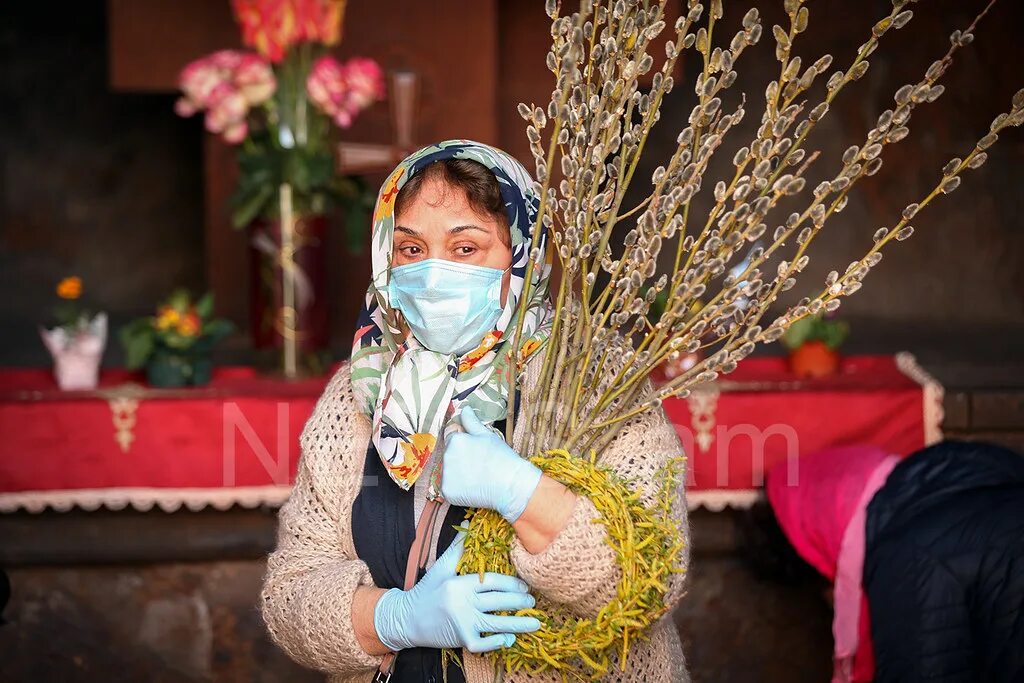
{"x": 944, "y": 566}
{"x": 383, "y": 529}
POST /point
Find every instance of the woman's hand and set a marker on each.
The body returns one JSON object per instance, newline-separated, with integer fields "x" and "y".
{"x": 448, "y": 611}
{"x": 480, "y": 470}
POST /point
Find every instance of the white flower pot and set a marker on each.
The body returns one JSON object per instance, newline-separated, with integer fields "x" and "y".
{"x": 77, "y": 356}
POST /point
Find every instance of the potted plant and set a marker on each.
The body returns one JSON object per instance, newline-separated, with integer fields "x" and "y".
{"x": 280, "y": 106}
{"x": 175, "y": 345}
{"x": 813, "y": 344}
{"x": 77, "y": 341}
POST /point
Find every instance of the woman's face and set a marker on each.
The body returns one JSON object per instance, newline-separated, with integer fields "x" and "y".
{"x": 440, "y": 223}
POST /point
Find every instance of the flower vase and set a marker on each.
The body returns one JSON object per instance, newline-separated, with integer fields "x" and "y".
{"x": 77, "y": 355}
{"x": 288, "y": 301}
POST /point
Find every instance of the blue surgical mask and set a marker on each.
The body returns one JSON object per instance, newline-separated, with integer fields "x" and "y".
{"x": 449, "y": 306}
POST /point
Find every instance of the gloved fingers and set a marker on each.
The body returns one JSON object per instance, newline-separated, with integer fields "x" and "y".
{"x": 494, "y": 641}
{"x": 445, "y": 565}
{"x": 494, "y": 581}
{"x": 500, "y": 601}
{"x": 471, "y": 423}
{"x": 500, "y": 623}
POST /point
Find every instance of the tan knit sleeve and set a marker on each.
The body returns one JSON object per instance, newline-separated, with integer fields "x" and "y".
{"x": 578, "y": 568}
{"x": 313, "y": 573}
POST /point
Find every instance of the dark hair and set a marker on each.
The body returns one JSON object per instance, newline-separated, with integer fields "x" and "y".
{"x": 473, "y": 178}
{"x": 764, "y": 548}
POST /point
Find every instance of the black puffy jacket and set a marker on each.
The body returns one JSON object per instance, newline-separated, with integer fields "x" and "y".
{"x": 944, "y": 566}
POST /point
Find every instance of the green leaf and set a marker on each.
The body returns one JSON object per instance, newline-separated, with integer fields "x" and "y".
{"x": 218, "y": 329}
{"x": 177, "y": 341}
{"x": 799, "y": 333}
{"x": 179, "y": 299}
{"x": 138, "y": 339}
{"x": 251, "y": 205}
{"x": 832, "y": 333}
{"x": 204, "y": 307}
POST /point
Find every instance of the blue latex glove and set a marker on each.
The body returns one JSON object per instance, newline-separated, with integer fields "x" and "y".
{"x": 481, "y": 471}
{"x": 448, "y": 611}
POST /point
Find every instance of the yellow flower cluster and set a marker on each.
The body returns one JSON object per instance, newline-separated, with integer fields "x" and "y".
{"x": 187, "y": 323}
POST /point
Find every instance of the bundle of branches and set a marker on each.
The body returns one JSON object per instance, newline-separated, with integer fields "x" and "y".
{"x": 735, "y": 260}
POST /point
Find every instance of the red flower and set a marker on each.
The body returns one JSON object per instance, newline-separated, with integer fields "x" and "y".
{"x": 273, "y": 26}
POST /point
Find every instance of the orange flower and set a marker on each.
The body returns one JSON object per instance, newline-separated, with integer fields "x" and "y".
{"x": 528, "y": 348}
{"x": 70, "y": 288}
{"x": 269, "y": 26}
{"x": 414, "y": 454}
{"x": 386, "y": 205}
{"x": 319, "y": 20}
{"x": 167, "y": 317}
{"x": 330, "y": 23}
{"x": 189, "y": 325}
{"x": 273, "y": 26}
{"x": 474, "y": 356}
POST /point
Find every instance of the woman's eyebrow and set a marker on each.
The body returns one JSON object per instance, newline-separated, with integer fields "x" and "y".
{"x": 408, "y": 231}
{"x": 461, "y": 228}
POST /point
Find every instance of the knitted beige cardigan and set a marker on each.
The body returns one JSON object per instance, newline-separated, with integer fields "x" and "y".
{"x": 311, "y": 576}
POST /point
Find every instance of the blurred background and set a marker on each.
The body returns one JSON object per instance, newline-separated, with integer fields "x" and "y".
{"x": 101, "y": 180}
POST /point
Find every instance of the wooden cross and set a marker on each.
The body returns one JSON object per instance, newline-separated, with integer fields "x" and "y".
{"x": 357, "y": 157}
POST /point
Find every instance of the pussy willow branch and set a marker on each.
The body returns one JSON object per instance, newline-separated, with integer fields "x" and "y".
{"x": 599, "y": 151}
{"x": 784, "y": 277}
{"x": 538, "y": 230}
{"x": 640, "y": 47}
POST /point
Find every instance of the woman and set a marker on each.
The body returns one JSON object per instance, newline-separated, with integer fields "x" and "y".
{"x": 451, "y": 239}
{"x": 926, "y": 554}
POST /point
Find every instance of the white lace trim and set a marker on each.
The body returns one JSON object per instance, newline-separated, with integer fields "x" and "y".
{"x": 717, "y": 500}
{"x": 142, "y": 499}
{"x": 171, "y": 500}
{"x": 934, "y": 393}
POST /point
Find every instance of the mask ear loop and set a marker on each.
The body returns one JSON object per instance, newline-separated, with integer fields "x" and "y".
{"x": 509, "y": 293}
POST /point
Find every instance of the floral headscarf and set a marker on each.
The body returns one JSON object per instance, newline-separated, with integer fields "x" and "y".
{"x": 412, "y": 393}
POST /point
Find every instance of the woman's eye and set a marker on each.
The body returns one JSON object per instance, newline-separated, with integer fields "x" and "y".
{"x": 465, "y": 250}
{"x": 410, "y": 250}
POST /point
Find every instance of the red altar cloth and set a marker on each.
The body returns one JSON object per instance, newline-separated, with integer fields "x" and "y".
{"x": 236, "y": 441}
{"x": 736, "y": 429}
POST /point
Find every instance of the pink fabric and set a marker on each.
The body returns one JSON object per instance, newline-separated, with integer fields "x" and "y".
{"x": 848, "y": 593}
{"x": 766, "y": 415}
{"x": 815, "y": 510}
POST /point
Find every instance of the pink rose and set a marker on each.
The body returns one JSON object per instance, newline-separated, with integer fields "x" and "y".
{"x": 227, "y": 108}
{"x": 255, "y": 79}
{"x": 225, "y": 84}
{"x": 325, "y": 83}
{"x": 342, "y": 91}
{"x": 236, "y": 132}
{"x": 365, "y": 81}
{"x": 198, "y": 80}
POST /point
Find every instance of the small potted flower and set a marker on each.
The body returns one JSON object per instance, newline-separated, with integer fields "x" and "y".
{"x": 78, "y": 340}
{"x": 175, "y": 345}
{"x": 813, "y": 344}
